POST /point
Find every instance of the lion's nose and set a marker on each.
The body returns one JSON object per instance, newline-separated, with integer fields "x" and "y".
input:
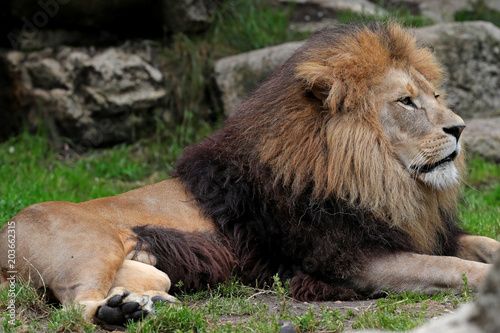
{"x": 456, "y": 131}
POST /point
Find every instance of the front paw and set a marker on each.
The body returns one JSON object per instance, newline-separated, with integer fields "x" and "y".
{"x": 124, "y": 307}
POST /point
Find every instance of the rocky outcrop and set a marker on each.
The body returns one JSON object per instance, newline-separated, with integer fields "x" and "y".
{"x": 482, "y": 138}
{"x": 470, "y": 52}
{"x": 92, "y": 97}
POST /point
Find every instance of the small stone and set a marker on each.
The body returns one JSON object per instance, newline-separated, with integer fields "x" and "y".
{"x": 287, "y": 327}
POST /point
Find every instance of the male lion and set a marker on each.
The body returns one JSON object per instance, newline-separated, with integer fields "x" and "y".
{"x": 341, "y": 172}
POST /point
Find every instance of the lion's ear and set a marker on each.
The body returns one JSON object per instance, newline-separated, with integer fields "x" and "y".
{"x": 319, "y": 92}
{"x": 331, "y": 94}
{"x": 320, "y": 80}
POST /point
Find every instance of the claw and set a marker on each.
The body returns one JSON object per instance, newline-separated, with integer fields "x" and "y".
{"x": 137, "y": 315}
{"x": 131, "y": 307}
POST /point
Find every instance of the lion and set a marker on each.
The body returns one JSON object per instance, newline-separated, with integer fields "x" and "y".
{"x": 341, "y": 173}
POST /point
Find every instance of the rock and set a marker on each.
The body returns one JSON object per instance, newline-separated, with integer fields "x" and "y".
{"x": 238, "y": 75}
{"x": 313, "y": 15}
{"x": 493, "y": 4}
{"x": 188, "y": 15}
{"x": 470, "y": 52}
{"x": 12, "y": 117}
{"x": 443, "y": 10}
{"x": 46, "y": 74}
{"x": 357, "y": 6}
{"x": 482, "y": 138}
{"x": 437, "y": 10}
{"x": 287, "y": 327}
{"x": 479, "y": 317}
{"x": 92, "y": 97}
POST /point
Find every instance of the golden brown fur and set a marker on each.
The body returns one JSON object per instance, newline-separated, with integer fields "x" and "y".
{"x": 345, "y": 74}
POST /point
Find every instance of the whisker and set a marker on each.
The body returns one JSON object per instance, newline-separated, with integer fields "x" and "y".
{"x": 415, "y": 164}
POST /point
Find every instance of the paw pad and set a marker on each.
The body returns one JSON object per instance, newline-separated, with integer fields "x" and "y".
{"x": 120, "y": 309}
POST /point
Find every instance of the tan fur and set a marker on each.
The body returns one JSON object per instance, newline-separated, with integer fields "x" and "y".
{"x": 420, "y": 273}
{"x": 78, "y": 250}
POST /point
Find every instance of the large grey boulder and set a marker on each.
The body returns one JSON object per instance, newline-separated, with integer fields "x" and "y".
{"x": 470, "y": 53}
{"x": 238, "y": 75}
{"x": 482, "y": 138}
{"x": 92, "y": 97}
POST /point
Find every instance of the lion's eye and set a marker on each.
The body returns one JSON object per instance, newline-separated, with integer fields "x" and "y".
{"x": 436, "y": 95}
{"x": 405, "y": 100}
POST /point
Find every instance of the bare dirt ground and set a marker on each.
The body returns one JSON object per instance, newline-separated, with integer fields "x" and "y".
{"x": 433, "y": 309}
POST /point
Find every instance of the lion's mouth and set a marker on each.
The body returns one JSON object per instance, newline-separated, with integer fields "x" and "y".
{"x": 430, "y": 167}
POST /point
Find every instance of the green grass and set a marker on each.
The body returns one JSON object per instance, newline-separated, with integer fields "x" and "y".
{"x": 243, "y": 25}
{"x": 479, "y": 12}
{"x": 480, "y": 211}
{"x": 35, "y": 315}
{"x": 34, "y": 171}
{"x": 403, "y": 312}
{"x": 402, "y": 16}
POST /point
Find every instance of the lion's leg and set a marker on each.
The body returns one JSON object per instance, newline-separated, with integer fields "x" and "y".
{"x": 477, "y": 248}
{"x": 136, "y": 289}
{"x": 420, "y": 273}
{"x": 67, "y": 250}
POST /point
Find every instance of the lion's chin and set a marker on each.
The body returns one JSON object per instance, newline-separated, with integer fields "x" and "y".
{"x": 442, "y": 177}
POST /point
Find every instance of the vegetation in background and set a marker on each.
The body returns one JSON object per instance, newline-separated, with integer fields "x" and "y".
{"x": 479, "y": 12}
{"x": 480, "y": 210}
{"x": 242, "y": 26}
{"x": 400, "y": 15}
{"x": 238, "y": 26}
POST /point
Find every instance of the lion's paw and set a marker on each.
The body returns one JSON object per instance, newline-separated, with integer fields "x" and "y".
{"x": 127, "y": 306}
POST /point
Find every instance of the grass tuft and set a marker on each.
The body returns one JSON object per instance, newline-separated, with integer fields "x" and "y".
{"x": 69, "y": 319}
{"x": 241, "y": 26}
{"x": 479, "y": 12}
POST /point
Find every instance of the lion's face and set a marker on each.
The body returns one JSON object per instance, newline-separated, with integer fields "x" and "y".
{"x": 424, "y": 133}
